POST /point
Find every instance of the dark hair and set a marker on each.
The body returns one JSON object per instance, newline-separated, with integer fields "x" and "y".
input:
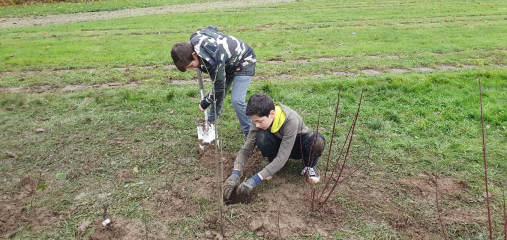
{"x": 182, "y": 55}
{"x": 260, "y": 104}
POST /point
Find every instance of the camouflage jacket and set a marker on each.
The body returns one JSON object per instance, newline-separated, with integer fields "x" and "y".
{"x": 222, "y": 56}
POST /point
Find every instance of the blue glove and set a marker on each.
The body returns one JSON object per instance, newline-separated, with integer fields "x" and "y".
{"x": 246, "y": 187}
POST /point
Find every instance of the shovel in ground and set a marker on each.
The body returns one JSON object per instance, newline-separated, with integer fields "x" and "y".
{"x": 205, "y": 130}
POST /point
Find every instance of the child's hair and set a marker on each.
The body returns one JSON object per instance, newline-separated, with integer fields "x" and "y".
{"x": 260, "y": 104}
{"x": 182, "y": 55}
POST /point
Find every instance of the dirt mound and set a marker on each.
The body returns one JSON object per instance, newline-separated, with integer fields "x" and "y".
{"x": 282, "y": 208}
{"x": 277, "y": 209}
{"x": 209, "y": 158}
{"x": 426, "y": 185}
{"x": 172, "y": 205}
{"x": 16, "y": 209}
{"x": 117, "y": 229}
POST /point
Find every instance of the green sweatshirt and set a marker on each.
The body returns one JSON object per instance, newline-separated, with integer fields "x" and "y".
{"x": 292, "y": 126}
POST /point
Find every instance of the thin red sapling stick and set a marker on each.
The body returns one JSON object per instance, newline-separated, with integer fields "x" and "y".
{"x": 355, "y": 170}
{"x": 504, "y": 218}
{"x": 348, "y": 139}
{"x": 314, "y": 139}
{"x": 310, "y": 161}
{"x": 328, "y": 181}
{"x": 485, "y": 163}
{"x": 332, "y": 134}
{"x": 350, "y": 136}
{"x": 336, "y": 180}
{"x": 438, "y": 207}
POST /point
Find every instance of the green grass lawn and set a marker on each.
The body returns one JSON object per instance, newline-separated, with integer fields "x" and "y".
{"x": 64, "y": 7}
{"x": 413, "y": 122}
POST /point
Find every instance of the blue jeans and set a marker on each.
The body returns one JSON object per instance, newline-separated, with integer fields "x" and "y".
{"x": 312, "y": 148}
{"x": 238, "y": 95}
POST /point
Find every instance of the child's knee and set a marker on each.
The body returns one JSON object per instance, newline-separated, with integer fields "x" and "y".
{"x": 266, "y": 144}
{"x": 318, "y": 144}
{"x": 260, "y": 138}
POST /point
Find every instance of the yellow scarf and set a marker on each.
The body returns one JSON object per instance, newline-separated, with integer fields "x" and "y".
{"x": 279, "y": 119}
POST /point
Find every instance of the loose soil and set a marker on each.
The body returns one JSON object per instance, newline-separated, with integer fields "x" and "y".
{"x": 281, "y": 209}
{"x": 16, "y": 209}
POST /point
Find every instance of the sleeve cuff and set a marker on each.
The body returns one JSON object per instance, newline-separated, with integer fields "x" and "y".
{"x": 205, "y": 104}
{"x": 257, "y": 179}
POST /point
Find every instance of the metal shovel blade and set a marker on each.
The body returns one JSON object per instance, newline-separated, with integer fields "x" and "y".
{"x": 205, "y": 133}
{"x": 205, "y": 130}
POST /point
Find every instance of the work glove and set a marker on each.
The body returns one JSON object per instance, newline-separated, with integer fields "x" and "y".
{"x": 206, "y": 101}
{"x": 231, "y": 183}
{"x": 246, "y": 187}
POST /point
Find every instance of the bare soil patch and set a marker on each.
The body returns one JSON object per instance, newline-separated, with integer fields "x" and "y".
{"x": 424, "y": 69}
{"x": 398, "y": 70}
{"x": 134, "y": 84}
{"x": 16, "y": 209}
{"x": 117, "y": 229}
{"x": 281, "y": 208}
{"x": 371, "y": 72}
{"x": 277, "y": 209}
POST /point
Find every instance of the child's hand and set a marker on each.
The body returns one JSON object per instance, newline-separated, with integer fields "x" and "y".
{"x": 246, "y": 187}
{"x": 206, "y": 101}
{"x": 230, "y": 184}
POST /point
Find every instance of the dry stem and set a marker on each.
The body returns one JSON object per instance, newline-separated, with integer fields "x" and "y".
{"x": 438, "y": 207}
{"x": 485, "y": 164}
{"x": 319, "y": 197}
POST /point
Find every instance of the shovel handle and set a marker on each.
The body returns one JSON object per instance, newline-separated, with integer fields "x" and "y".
{"x": 201, "y": 86}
